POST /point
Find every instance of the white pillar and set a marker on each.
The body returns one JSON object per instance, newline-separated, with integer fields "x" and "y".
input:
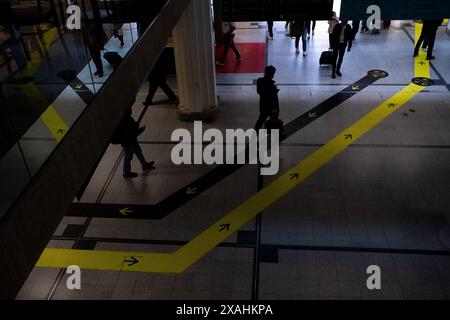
{"x": 195, "y": 63}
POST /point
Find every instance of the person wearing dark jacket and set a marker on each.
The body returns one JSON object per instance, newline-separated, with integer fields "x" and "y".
{"x": 126, "y": 135}
{"x": 94, "y": 37}
{"x": 341, "y": 38}
{"x": 429, "y": 31}
{"x": 268, "y": 93}
{"x": 158, "y": 79}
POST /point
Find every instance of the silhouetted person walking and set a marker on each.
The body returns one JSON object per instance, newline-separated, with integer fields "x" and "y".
{"x": 126, "y": 135}
{"x": 158, "y": 79}
{"x": 228, "y": 34}
{"x": 340, "y": 38}
{"x": 268, "y": 93}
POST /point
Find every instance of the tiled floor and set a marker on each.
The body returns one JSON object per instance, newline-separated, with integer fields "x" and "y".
{"x": 382, "y": 202}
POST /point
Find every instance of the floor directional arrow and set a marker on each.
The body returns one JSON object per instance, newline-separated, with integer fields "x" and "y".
{"x": 312, "y": 115}
{"x": 224, "y": 227}
{"x": 132, "y": 262}
{"x": 295, "y": 176}
{"x": 191, "y": 191}
{"x": 125, "y": 211}
{"x": 392, "y": 105}
{"x": 355, "y": 88}
{"x": 348, "y": 136}
{"x": 61, "y": 131}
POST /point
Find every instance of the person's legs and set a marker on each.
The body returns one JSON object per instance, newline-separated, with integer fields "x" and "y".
{"x": 297, "y": 42}
{"x": 335, "y": 57}
{"x": 308, "y": 28}
{"x": 153, "y": 87}
{"x": 304, "y": 41}
{"x": 226, "y": 47}
{"x": 235, "y": 50}
{"x": 262, "y": 118}
{"x": 330, "y": 40}
{"x": 341, "y": 59}
{"x": 431, "y": 41}
{"x": 270, "y": 26}
{"x": 313, "y": 26}
{"x": 168, "y": 90}
{"x": 96, "y": 55}
{"x": 127, "y": 157}
{"x": 140, "y": 155}
{"x": 425, "y": 43}
{"x": 419, "y": 42}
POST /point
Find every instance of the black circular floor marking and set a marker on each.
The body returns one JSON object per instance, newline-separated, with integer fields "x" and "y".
{"x": 378, "y": 73}
{"x": 423, "y": 82}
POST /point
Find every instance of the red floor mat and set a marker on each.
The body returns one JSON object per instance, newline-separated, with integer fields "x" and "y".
{"x": 253, "y": 58}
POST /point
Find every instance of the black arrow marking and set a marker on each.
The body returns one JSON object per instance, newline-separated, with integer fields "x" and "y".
{"x": 132, "y": 262}
{"x": 295, "y": 176}
{"x": 61, "y": 131}
{"x": 180, "y": 197}
{"x": 392, "y": 105}
{"x": 348, "y": 136}
{"x": 422, "y": 63}
{"x": 225, "y": 227}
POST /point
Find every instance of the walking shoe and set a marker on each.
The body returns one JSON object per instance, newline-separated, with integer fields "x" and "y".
{"x": 339, "y": 73}
{"x": 130, "y": 175}
{"x": 305, "y": 54}
{"x": 297, "y": 51}
{"x": 219, "y": 64}
{"x": 149, "y": 166}
{"x": 333, "y": 76}
{"x": 424, "y": 49}
{"x": 237, "y": 60}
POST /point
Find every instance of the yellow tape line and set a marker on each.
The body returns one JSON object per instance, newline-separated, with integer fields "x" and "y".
{"x": 237, "y": 218}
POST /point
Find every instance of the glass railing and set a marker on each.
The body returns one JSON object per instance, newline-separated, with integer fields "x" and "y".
{"x": 48, "y": 77}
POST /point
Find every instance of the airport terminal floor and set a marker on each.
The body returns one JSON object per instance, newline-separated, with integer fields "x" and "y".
{"x": 363, "y": 182}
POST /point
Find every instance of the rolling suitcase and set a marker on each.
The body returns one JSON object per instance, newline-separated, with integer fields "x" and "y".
{"x": 113, "y": 58}
{"x": 326, "y": 58}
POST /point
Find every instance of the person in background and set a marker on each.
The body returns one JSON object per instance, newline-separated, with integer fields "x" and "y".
{"x": 270, "y": 27}
{"x": 429, "y": 31}
{"x": 355, "y": 28}
{"x": 268, "y": 93}
{"x": 314, "y": 22}
{"x": 299, "y": 30}
{"x": 331, "y": 24}
{"x": 95, "y": 38}
{"x": 126, "y": 134}
{"x": 158, "y": 79}
{"x": 341, "y": 38}
{"x": 228, "y": 29}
